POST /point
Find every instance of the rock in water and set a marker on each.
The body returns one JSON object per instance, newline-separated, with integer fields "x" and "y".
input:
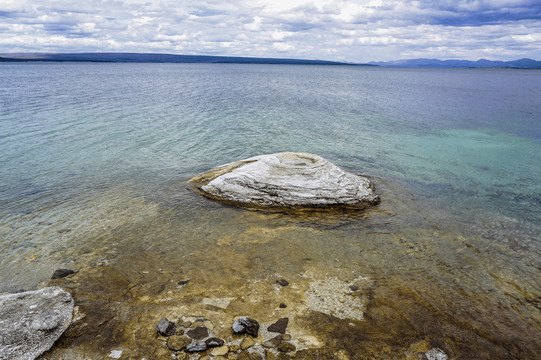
{"x": 30, "y": 322}
{"x": 247, "y": 326}
{"x": 165, "y": 327}
{"x": 279, "y": 326}
{"x": 287, "y": 180}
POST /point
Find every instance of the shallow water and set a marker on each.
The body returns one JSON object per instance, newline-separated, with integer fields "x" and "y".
{"x": 95, "y": 163}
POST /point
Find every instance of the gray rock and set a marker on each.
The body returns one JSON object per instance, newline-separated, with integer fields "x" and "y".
{"x": 165, "y": 327}
{"x": 286, "y": 180}
{"x": 436, "y": 354}
{"x": 247, "y": 326}
{"x": 214, "y": 342}
{"x": 32, "y": 321}
{"x": 196, "y": 346}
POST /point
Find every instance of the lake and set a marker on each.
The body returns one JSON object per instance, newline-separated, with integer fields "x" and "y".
{"x": 95, "y": 163}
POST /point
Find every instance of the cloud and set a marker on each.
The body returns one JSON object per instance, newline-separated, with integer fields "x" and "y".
{"x": 345, "y": 30}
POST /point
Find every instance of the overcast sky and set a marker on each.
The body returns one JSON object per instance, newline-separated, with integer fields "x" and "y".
{"x": 354, "y": 31}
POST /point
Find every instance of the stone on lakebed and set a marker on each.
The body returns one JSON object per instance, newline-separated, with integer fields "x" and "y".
{"x": 30, "y": 322}
{"x": 286, "y": 180}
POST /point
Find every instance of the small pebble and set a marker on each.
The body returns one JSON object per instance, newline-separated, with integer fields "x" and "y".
{"x": 286, "y": 347}
{"x": 177, "y": 343}
{"x": 279, "y": 326}
{"x": 245, "y": 355}
{"x": 185, "y": 324}
{"x": 269, "y": 355}
{"x": 198, "y": 333}
{"x": 248, "y": 342}
{"x": 214, "y": 342}
{"x": 285, "y": 337}
{"x": 165, "y": 327}
{"x": 220, "y": 351}
{"x": 282, "y": 282}
{"x": 282, "y": 306}
{"x": 353, "y": 287}
{"x": 196, "y": 346}
{"x": 247, "y": 326}
{"x": 274, "y": 342}
{"x": 60, "y": 273}
{"x": 183, "y": 282}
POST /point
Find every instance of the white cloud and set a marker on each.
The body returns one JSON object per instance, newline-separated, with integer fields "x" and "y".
{"x": 282, "y": 47}
{"x": 326, "y": 29}
{"x": 255, "y": 25}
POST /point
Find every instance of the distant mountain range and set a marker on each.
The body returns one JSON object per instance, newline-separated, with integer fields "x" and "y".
{"x": 159, "y": 58}
{"x": 483, "y": 63}
{"x": 170, "y": 58}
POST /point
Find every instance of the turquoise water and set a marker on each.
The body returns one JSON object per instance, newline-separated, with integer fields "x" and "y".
{"x": 94, "y": 152}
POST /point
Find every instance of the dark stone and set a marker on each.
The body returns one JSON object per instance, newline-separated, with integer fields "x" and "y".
{"x": 282, "y": 282}
{"x": 282, "y": 306}
{"x": 353, "y": 287}
{"x": 247, "y": 326}
{"x": 166, "y": 327}
{"x": 60, "y": 273}
{"x": 274, "y": 342}
{"x": 214, "y": 342}
{"x": 279, "y": 326}
{"x": 183, "y": 282}
{"x": 286, "y": 347}
{"x": 198, "y": 333}
{"x": 177, "y": 343}
{"x": 196, "y": 346}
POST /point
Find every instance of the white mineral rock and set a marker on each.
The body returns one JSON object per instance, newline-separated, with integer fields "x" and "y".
{"x": 287, "y": 180}
{"x": 30, "y": 322}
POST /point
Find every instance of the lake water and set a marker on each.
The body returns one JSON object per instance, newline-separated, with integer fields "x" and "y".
{"x": 95, "y": 160}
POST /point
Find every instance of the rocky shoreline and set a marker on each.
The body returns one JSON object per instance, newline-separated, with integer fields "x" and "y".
{"x": 209, "y": 335}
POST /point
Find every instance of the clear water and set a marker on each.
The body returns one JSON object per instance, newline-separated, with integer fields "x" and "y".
{"x": 95, "y": 160}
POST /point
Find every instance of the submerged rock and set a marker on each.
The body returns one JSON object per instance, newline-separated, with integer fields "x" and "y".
{"x": 214, "y": 342}
{"x": 60, "y": 273}
{"x": 279, "y": 326}
{"x": 32, "y": 321}
{"x": 177, "y": 343}
{"x": 286, "y": 347}
{"x": 198, "y": 333}
{"x": 436, "y": 354}
{"x": 165, "y": 327}
{"x": 197, "y": 346}
{"x": 247, "y": 326}
{"x": 287, "y": 180}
